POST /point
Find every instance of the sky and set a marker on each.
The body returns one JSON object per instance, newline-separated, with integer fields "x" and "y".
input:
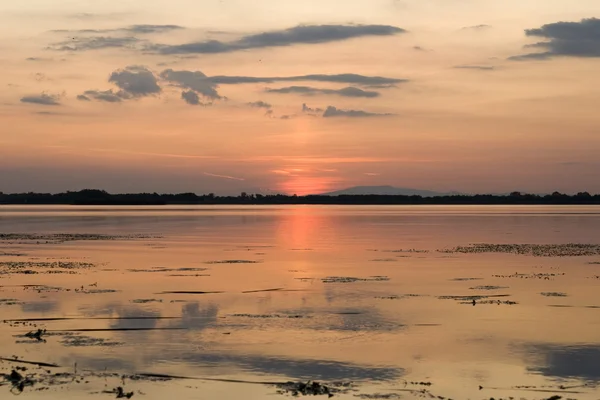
{"x": 225, "y": 96}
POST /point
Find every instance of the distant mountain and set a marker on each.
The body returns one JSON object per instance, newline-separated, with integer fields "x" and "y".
{"x": 386, "y": 190}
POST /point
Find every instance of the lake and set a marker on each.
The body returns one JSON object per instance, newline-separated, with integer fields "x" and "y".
{"x": 228, "y": 302}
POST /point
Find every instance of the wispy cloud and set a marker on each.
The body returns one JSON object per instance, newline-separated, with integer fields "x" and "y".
{"x": 224, "y": 176}
{"x": 476, "y": 67}
{"x": 43, "y": 99}
{"x": 311, "y": 91}
{"x": 481, "y": 27}
{"x": 94, "y": 43}
{"x": 134, "y": 29}
{"x": 336, "y": 78}
{"x": 303, "y": 34}
{"x": 332, "y": 112}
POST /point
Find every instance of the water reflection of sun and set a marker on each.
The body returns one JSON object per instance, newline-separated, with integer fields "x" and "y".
{"x": 301, "y": 227}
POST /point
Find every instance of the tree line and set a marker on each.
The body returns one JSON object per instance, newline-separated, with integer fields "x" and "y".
{"x": 101, "y": 197}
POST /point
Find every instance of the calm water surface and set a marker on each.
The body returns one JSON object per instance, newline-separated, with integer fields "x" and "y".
{"x": 279, "y": 311}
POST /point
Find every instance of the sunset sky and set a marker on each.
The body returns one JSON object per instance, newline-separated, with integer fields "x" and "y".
{"x": 299, "y": 97}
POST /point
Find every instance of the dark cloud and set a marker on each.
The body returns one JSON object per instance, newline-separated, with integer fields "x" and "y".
{"x": 308, "y": 110}
{"x": 332, "y": 112}
{"x": 190, "y": 97}
{"x": 477, "y": 67}
{"x": 477, "y": 27}
{"x": 309, "y": 91}
{"x": 83, "y": 97}
{"x": 136, "y": 80}
{"x": 94, "y": 43}
{"x": 108, "y": 96}
{"x": 571, "y": 39}
{"x": 337, "y": 78}
{"x": 303, "y": 34}
{"x": 43, "y": 99}
{"x": 193, "y": 80}
{"x": 259, "y": 104}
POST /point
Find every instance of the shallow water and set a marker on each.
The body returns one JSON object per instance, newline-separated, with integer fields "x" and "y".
{"x": 374, "y": 297}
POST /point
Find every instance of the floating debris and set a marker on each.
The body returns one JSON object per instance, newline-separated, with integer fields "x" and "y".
{"x": 536, "y": 250}
{"x": 120, "y": 392}
{"x": 542, "y": 276}
{"x": 10, "y": 302}
{"x": 18, "y": 381}
{"x": 378, "y": 396}
{"x": 398, "y": 297}
{"x": 350, "y": 279}
{"x": 291, "y": 316}
{"x": 554, "y": 294}
{"x": 466, "y": 279}
{"x": 95, "y": 291}
{"x": 471, "y": 298}
{"x": 306, "y": 389}
{"x": 488, "y": 287}
{"x": 384, "y": 260}
{"x": 233, "y": 262}
{"x": 163, "y": 269}
{"x": 56, "y": 238}
{"x": 37, "y": 335}
{"x": 43, "y": 267}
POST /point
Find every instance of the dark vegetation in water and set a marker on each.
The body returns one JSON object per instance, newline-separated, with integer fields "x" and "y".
{"x": 164, "y": 269}
{"x": 351, "y": 279}
{"x": 536, "y": 250}
{"x": 542, "y": 276}
{"x": 233, "y": 262}
{"x": 554, "y": 294}
{"x": 56, "y": 238}
{"x": 42, "y": 267}
{"x": 488, "y": 287}
{"x": 101, "y": 197}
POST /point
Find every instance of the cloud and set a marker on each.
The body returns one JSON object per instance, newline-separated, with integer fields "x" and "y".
{"x": 224, "y": 176}
{"x": 190, "y": 97}
{"x": 481, "y": 27}
{"x": 107, "y": 95}
{"x": 152, "y": 28}
{"x": 337, "y": 78}
{"x": 303, "y": 34}
{"x": 260, "y": 104}
{"x": 307, "y": 109}
{"x": 309, "y": 91}
{"x": 193, "y": 80}
{"x": 332, "y": 112}
{"x": 571, "y": 39}
{"x": 137, "y": 29}
{"x": 477, "y": 67}
{"x": 135, "y": 80}
{"x": 39, "y": 59}
{"x": 42, "y": 99}
{"x": 94, "y": 43}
